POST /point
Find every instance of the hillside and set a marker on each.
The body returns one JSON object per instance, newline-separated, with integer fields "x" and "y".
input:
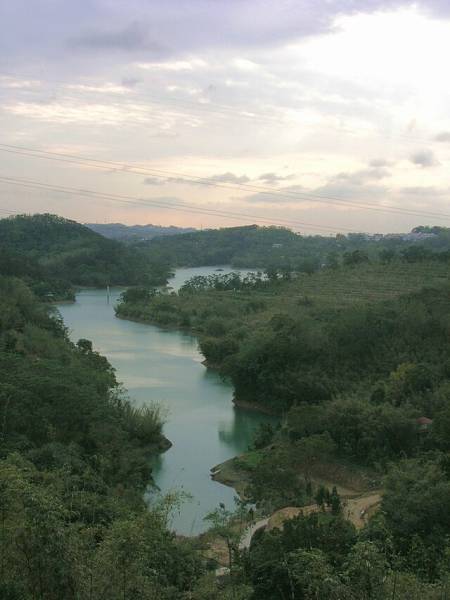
{"x": 74, "y": 463}
{"x": 251, "y": 245}
{"x": 277, "y": 247}
{"x": 59, "y": 249}
{"x": 355, "y": 359}
{"x": 135, "y": 233}
{"x": 313, "y": 335}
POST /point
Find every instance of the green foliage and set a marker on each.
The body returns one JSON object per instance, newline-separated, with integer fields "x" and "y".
{"x": 366, "y": 570}
{"x": 303, "y": 560}
{"x": 280, "y": 252}
{"x": 263, "y": 435}
{"x": 74, "y": 464}
{"x": 416, "y": 505}
{"x": 55, "y": 252}
{"x": 356, "y": 257}
{"x": 280, "y": 351}
{"x": 350, "y": 347}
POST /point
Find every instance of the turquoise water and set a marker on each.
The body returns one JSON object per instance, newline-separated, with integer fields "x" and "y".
{"x": 157, "y": 365}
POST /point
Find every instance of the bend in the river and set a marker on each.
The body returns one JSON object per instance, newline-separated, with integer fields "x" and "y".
{"x": 157, "y": 365}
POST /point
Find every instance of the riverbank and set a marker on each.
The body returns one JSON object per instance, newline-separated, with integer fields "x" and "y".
{"x": 161, "y": 446}
{"x": 228, "y": 473}
{"x": 349, "y": 480}
{"x": 163, "y": 365}
{"x": 254, "y": 406}
{"x": 189, "y": 331}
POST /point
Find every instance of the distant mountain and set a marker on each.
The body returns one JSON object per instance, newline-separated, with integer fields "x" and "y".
{"x": 135, "y": 233}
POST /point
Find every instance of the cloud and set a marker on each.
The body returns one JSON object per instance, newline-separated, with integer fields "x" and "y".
{"x": 107, "y": 88}
{"x": 143, "y": 27}
{"x": 130, "y": 38}
{"x": 162, "y": 203}
{"x": 175, "y": 65}
{"x": 348, "y": 191}
{"x": 243, "y": 64}
{"x": 423, "y": 191}
{"x": 379, "y": 163}
{"x": 17, "y": 83}
{"x": 229, "y": 178}
{"x": 153, "y": 181}
{"x": 357, "y": 185}
{"x": 444, "y": 136}
{"x": 81, "y": 112}
{"x": 424, "y": 159}
{"x": 281, "y": 195}
{"x": 362, "y": 176}
{"x": 273, "y": 178}
{"x": 130, "y": 82}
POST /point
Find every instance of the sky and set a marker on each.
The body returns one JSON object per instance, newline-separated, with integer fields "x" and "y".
{"x": 321, "y": 115}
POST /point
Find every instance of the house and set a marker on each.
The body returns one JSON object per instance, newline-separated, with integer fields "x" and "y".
{"x": 424, "y": 424}
{"x": 417, "y": 236}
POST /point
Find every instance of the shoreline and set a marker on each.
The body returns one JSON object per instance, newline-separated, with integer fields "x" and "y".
{"x": 161, "y": 446}
{"x": 227, "y": 474}
{"x": 242, "y": 404}
{"x": 57, "y": 302}
{"x": 255, "y": 407}
{"x": 179, "y": 328}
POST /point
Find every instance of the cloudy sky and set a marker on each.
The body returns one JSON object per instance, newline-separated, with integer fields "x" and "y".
{"x": 323, "y": 115}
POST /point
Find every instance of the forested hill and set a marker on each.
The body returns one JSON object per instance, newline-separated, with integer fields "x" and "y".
{"x": 133, "y": 233}
{"x": 74, "y": 464}
{"x": 277, "y": 247}
{"x": 55, "y": 252}
{"x": 356, "y": 359}
{"x": 250, "y": 246}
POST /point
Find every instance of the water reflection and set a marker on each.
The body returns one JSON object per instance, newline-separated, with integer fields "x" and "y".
{"x": 163, "y": 366}
{"x": 239, "y": 432}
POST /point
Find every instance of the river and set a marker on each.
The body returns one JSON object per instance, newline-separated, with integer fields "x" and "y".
{"x": 158, "y": 365}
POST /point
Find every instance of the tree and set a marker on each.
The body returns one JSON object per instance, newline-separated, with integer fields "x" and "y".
{"x": 366, "y": 570}
{"x": 357, "y": 257}
{"x": 321, "y": 495}
{"x": 335, "y": 501}
{"x": 312, "y": 577}
{"x": 387, "y": 255}
{"x": 416, "y": 505}
{"x": 229, "y": 526}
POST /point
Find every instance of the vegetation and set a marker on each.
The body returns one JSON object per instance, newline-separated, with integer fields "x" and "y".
{"x": 322, "y": 556}
{"x": 282, "y": 343}
{"x": 279, "y": 248}
{"x": 54, "y": 254}
{"x": 355, "y": 358}
{"x": 135, "y": 233}
{"x": 46, "y": 287}
{"x": 74, "y": 463}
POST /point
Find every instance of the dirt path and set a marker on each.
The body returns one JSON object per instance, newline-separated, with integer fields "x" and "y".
{"x": 250, "y": 532}
{"x": 357, "y": 510}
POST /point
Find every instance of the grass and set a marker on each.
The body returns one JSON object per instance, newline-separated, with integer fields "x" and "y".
{"x": 250, "y": 460}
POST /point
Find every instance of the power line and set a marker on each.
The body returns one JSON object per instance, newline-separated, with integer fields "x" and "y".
{"x": 124, "y": 199}
{"x": 182, "y": 177}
